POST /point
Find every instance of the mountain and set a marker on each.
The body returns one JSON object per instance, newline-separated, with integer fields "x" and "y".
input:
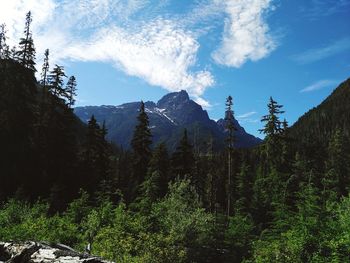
{"x": 319, "y": 124}
{"x": 168, "y": 118}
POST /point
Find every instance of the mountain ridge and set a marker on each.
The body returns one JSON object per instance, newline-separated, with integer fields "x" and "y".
{"x": 169, "y": 116}
{"x": 319, "y": 123}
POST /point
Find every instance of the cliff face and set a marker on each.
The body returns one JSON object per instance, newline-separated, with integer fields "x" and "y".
{"x": 21, "y": 252}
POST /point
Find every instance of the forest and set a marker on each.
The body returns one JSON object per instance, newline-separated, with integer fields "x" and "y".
{"x": 61, "y": 181}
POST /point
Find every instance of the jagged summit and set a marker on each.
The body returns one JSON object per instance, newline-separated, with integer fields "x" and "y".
{"x": 168, "y": 118}
{"x": 174, "y": 99}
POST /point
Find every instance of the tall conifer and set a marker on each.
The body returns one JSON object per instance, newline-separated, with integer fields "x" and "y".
{"x": 45, "y": 69}
{"x": 4, "y": 48}
{"x": 273, "y": 129}
{"x": 71, "y": 91}
{"x": 26, "y": 53}
{"x": 141, "y": 146}
{"x": 230, "y": 128}
{"x": 56, "y": 82}
{"x": 183, "y": 161}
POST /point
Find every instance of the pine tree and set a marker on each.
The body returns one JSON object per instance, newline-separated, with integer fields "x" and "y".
{"x": 71, "y": 90}
{"x": 229, "y": 118}
{"x": 159, "y": 167}
{"x": 335, "y": 180}
{"x": 56, "y": 82}
{"x": 244, "y": 189}
{"x": 299, "y": 173}
{"x": 95, "y": 155}
{"x": 104, "y": 162}
{"x": 13, "y": 54}
{"x": 26, "y": 53}
{"x": 183, "y": 159}
{"x": 211, "y": 177}
{"x": 272, "y": 130}
{"x": 45, "y": 69}
{"x": 4, "y": 48}
{"x": 141, "y": 146}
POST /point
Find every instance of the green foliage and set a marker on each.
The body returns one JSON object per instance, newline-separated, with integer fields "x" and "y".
{"x": 20, "y": 221}
{"x": 141, "y": 148}
{"x": 179, "y": 232}
{"x": 239, "y": 234}
{"x": 312, "y": 236}
{"x": 183, "y": 160}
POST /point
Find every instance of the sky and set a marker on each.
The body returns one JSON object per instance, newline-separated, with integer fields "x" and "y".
{"x": 296, "y": 51}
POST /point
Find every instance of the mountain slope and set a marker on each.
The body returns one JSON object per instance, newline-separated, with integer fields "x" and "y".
{"x": 168, "y": 118}
{"x": 320, "y": 123}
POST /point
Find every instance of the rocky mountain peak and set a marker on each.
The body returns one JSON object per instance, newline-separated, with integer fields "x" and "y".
{"x": 173, "y": 100}
{"x": 168, "y": 118}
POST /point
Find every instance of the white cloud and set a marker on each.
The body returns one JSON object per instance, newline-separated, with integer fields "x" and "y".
{"x": 316, "y": 54}
{"x": 319, "y": 85}
{"x": 134, "y": 37}
{"x": 12, "y": 13}
{"x": 204, "y": 103}
{"x": 159, "y": 51}
{"x": 246, "y": 34}
{"x": 246, "y": 115}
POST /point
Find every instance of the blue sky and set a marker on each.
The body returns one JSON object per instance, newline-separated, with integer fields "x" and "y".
{"x": 297, "y": 51}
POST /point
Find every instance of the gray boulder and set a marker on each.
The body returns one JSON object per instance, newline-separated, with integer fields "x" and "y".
{"x": 34, "y": 252}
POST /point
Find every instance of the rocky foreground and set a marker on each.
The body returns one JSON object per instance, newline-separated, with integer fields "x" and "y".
{"x": 16, "y": 252}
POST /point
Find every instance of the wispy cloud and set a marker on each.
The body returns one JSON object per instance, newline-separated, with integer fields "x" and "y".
{"x": 316, "y": 54}
{"x": 325, "y": 83}
{"x": 137, "y": 39}
{"x": 204, "y": 103}
{"x": 158, "y": 50}
{"x": 246, "y": 115}
{"x": 244, "y": 121}
{"x": 322, "y": 8}
{"x": 246, "y": 34}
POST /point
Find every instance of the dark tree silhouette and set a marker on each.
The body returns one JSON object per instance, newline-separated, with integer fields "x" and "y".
{"x": 71, "y": 91}
{"x": 141, "y": 146}
{"x": 26, "y": 52}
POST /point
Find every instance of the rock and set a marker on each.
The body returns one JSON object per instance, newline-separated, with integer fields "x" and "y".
{"x": 35, "y": 252}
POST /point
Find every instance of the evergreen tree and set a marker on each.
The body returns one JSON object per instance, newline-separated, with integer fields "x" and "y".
{"x": 71, "y": 90}
{"x": 211, "y": 177}
{"x": 297, "y": 177}
{"x": 285, "y": 140}
{"x": 96, "y": 156}
{"x": 13, "y": 54}
{"x": 272, "y": 130}
{"x": 183, "y": 159}
{"x": 229, "y": 117}
{"x": 103, "y": 161}
{"x": 159, "y": 167}
{"x": 26, "y": 53}
{"x": 244, "y": 189}
{"x": 141, "y": 146}
{"x": 4, "y": 48}
{"x": 45, "y": 69}
{"x": 336, "y": 181}
{"x": 56, "y": 82}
